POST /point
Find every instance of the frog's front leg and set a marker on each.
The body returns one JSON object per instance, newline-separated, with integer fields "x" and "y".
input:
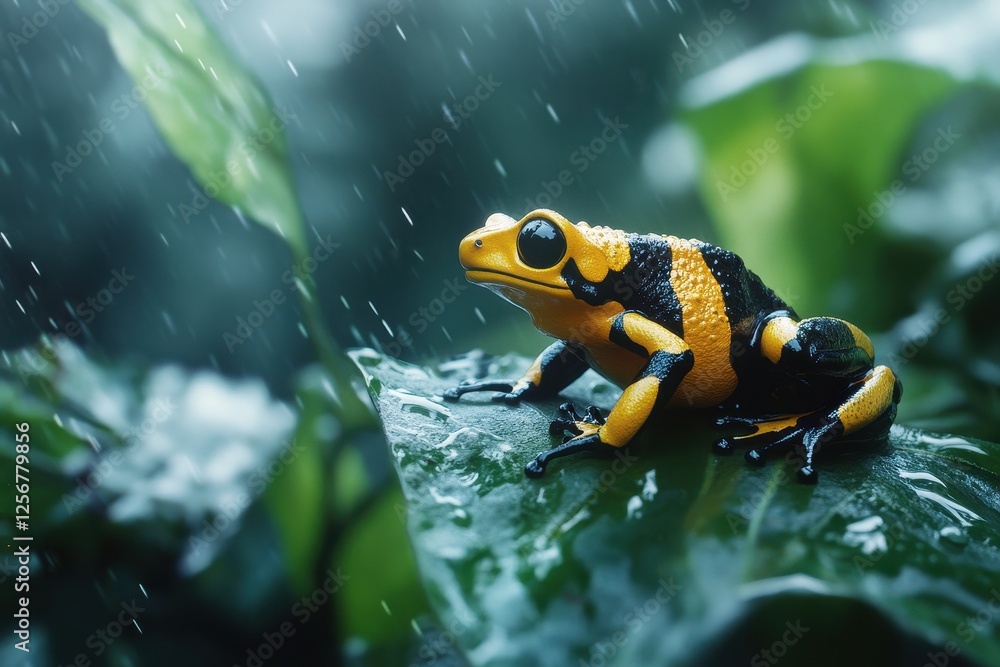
{"x": 554, "y": 370}
{"x": 668, "y": 360}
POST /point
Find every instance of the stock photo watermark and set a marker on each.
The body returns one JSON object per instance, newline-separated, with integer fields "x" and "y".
{"x": 967, "y": 630}
{"x": 779, "y": 648}
{"x": 231, "y": 509}
{"x": 699, "y": 44}
{"x": 914, "y": 169}
{"x": 930, "y": 324}
{"x": 159, "y": 413}
{"x": 364, "y": 34}
{"x": 120, "y": 108}
{"x": 263, "y": 309}
{"x": 421, "y": 318}
{"x": 455, "y": 116}
{"x": 603, "y": 652}
{"x": 900, "y": 15}
{"x": 302, "y": 611}
{"x": 102, "y": 638}
{"x": 785, "y": 127}
{"x": 249, "y": 148}
{"x": 32, "y": 25}
{"x": 580, "y": 159}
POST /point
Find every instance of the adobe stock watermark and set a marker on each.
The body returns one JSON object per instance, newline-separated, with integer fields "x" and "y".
{"x": 779, "y": 648}
{"x": 102, "y": 638}
{"x": 749, "y": 508}
{"x": 967, "y": 630}
{"x": 121, "y": 107}
{"x": 258, "y": 482}
{"x": 85, "y": 311}
{"x": 914, "y": 169}
{"x": 785, "y": 127}
{"x": 31, "y": 26}
{"x": 441, "y": 644}
{"x": 455, "y": 116}
{"x": 563, "y": 10}
{"x": 421, "y": 318}
{"x": 930, "y": 325}
{"x": 901, "y": 14}
{"x": 302, "y": 611}
{"x": 249, "y": 148}
{"x": 365, "y": 33}
{"x": 580, "y": 159}
{"x": 159, "y": 413}
{"x": 264, "y": 308}
{"x": 699, "y": 44}
{"x": 603, "y": 652}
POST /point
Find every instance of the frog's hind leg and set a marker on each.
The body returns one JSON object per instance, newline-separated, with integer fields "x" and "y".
{"x": 865, "y": 413}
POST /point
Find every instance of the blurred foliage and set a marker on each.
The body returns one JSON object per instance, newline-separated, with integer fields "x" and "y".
{"x": 214, "y": 115}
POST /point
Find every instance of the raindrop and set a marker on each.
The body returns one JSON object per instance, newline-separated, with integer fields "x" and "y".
{"x": 386, "y": 607}
{"x": 292, "y": 67}
{"x": 269, "y": 32}
{"x": 399, "y": 29}
{"x": 143, "y": 589}
{"x": 954, "y": 536}
{"x": 552, "y": 113}
{"x": 499, "y": 166}
{"x": 344, "y": 301}
{"x": 4, "y": 237}
{"x": 419, "y": 256}
{"x": 372, "y": 306}
{"x": 35, "y": 267}
{"x": 408, "y": 218}
{"x": 181, "y": 21}
{"x": 388, "y": 328}
{"x": 479, "y": 314}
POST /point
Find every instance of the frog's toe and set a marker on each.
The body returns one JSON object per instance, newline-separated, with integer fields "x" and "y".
{"x": 806, "y": 433}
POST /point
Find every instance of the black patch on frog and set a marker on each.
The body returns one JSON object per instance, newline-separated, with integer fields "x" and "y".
{"x": 620, "y": 337}
{"x": 745, "y": 295}
{"x": 643, "y": 285}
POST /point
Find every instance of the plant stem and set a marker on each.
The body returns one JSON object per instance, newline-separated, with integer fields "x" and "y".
{"x": 353, "y": 413}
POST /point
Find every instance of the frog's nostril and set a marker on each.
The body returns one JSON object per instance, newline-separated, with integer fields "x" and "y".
{"x": 479, "y": 243}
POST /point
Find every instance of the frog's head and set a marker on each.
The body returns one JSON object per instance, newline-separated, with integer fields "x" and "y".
{"x": 525, "y": 261}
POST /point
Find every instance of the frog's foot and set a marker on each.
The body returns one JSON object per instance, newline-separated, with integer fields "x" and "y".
{"x": 778, "y": 434}
{"x": 569, "y": 420}
{"x": 505, "y": 390}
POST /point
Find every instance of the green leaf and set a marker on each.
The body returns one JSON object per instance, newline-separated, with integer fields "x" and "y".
{"x": 791, "y": 158}
{"x": 212, "y": 113}
{"x": 679, "y": 555}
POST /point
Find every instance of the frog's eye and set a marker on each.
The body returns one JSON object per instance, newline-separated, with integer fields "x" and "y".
{"x": 540, "y": 244}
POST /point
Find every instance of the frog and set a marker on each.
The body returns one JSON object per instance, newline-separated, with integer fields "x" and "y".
{"x": 675, "y": 323}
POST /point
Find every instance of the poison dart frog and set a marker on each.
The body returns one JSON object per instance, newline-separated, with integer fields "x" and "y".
{"x": 675, "y": 323}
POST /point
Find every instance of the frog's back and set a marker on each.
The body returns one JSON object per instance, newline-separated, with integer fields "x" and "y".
{"x": 668, "y": 275}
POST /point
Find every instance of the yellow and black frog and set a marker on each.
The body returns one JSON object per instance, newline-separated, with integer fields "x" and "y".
{"x": 674, "y": 322}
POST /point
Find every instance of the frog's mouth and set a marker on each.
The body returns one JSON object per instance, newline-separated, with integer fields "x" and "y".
{"x": 492, "y": 276}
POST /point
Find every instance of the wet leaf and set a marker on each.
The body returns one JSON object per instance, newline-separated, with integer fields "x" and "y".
{"x": 678, "y": 556}
{"x": 216, "y": 118}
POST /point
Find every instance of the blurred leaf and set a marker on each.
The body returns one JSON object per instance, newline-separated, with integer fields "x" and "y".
{"x": 679, "y": 555}
{"x": 213, "y": 114}
{"x": 384, "y": 594}
{"x": 296, "y": 497}
{"x": 790, "y": 157}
